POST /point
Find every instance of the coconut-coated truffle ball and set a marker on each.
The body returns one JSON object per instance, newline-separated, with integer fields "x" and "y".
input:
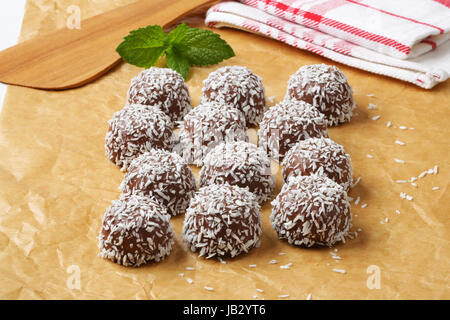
{"x": 208, "y": 125}
{"x": 162, "y": 175}
{"x": 242, "y": 164}
{"x": 239, "y": 87}
{"x": 311, "y": 210}
{"x": 287, "y": 123}
{"x": 222, "y": 220}
{"x": 137, "y": 129}
{"x": 326, "y": 88}
{"x": 320, "y": 156}
{"x": 163, "y": 88}
{"x": 135, "y": 230}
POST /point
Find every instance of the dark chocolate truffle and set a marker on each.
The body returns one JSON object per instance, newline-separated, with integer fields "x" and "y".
{"x": 311, "y": 210}
{"x": 242, "y": 164}
{"x": 239, "y": 87}
{"x": 208, "y": 125}
{"x": 326, "y": 88}
{"x": 321, "y": 156}
{"x": 163, "y": 88}
{"x": 135, "y": 231}
{"x": 137, "y": 129}
{"x": 287, "y": 123}
{"x": 162, "y": 175}
{"x": 222, "y": 220}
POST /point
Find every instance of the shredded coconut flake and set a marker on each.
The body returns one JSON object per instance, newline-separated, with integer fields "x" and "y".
{"x": 340, "y": 271}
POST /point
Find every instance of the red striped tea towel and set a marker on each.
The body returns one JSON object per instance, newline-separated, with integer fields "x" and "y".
{"x": 403, "y": 39}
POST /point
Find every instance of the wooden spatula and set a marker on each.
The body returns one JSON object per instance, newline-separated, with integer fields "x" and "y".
{"x": 69, "y": 58}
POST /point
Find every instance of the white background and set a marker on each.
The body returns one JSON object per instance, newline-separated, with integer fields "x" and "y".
{"x": 11, "y": 15}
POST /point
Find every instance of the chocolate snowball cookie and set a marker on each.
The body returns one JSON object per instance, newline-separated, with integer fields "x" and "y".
{"x": 287, "y": 123}
{"x": 242, "y": 164}
{"x": 163, "y": 88}
{"x": 207, "y": 126}
{"x": 311, "y": 210}
{"x": 326, "y": 88}
{"x": 239, "y": 87}
{"x": 320, "y": 156}
{"x": 135, "y": 230}
{"x": 222, "y": 221}
{"x": 137, "y": 129}
{"x": 162, "y": 175}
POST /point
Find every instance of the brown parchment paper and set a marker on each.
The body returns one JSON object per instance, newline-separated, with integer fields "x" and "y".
{"x": 55, "y": 184}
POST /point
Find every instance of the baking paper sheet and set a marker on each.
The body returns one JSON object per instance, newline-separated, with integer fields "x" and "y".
{"x": 55, "y": 184}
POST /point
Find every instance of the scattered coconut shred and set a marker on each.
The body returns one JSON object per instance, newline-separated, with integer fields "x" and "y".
{"x": 287, "y": 266}
{"x": 340, "y": 271}
{"x": 335, "y": 256}
{"x": 405, "y": 196}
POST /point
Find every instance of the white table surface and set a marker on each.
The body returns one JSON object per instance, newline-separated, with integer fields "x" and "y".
{"x": 11, "y": 16}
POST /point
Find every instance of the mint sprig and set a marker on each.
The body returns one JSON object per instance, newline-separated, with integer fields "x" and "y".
{"x": 183, "y": 46}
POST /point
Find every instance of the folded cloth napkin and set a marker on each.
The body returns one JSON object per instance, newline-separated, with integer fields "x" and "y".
{"x": 403, "y": 39}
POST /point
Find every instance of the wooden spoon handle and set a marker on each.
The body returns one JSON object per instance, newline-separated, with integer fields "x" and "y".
{"x": 69, "y": 58}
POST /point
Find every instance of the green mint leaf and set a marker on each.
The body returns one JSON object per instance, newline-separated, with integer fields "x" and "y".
{"x": 177, "y": 34}
{"x": 176, "y": 61}
{"x": 203, "y": 47}
{"x": 184, "y": 47}
{"x": 143, "y": 47}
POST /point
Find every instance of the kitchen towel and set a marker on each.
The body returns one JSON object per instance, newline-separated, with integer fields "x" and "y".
{"x": 403, "y": 39}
